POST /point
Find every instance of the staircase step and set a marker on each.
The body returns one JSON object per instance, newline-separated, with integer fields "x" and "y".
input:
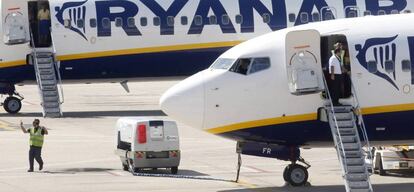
{"x": 48, "y": 82}
{"x": 52, "y": 110}
{"x": 50, "y": 104}
{"x": 356, "y": 169}
{"x": 350, "y": 146}
{"x": 47, "y": 77}
{"x": 353, "y": 154}
{"x": 347, "y": 139}
{"x": 357, "y": 177}
{"x": 343, "y": 109}
{"x": 343, "y": 116}
{"x": 358, "y": 185}
{"x": 50, "y": 93}
{"x": 53, "y": 115}
{"x": 44, "y": 67}
{"x": 51, "y": 99}
{"x": 345, "y": 124}
{"x": 46, "y": 72}
{"x": 347, "y": 131}
{"x": 354, "y": 161}
{"x": 44, "y": 60}
{"x": 360, "y": 190}
{"x": 49, "y": 88}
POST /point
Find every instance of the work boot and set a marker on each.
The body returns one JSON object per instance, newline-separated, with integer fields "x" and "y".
{"x": 30, "y": 170}
{"x": 40, "y": 167}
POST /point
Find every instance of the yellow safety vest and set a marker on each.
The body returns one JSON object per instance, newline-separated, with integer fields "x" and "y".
{"x": 36, "y": 138}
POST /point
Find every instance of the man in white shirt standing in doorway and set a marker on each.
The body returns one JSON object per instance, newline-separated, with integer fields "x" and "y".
{"x": 335, "y": 73}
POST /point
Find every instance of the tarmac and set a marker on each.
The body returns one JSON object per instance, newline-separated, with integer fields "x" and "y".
{"x": 79, "y": 150}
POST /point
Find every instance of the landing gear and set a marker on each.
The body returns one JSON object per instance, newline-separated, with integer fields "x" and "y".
{"x": 12, "y": 104}
{"x": 296, "y": 174}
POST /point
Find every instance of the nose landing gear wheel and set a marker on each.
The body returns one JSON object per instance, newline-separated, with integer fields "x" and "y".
{"x": 12, "y": 105}
{"x": 296, "y": 175}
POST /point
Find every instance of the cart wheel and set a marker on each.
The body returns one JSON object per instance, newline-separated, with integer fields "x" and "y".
{"x": 174, "y": 170}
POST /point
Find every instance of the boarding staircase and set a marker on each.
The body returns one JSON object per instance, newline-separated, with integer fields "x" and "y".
{"x": 346, "y": 122}
{"x": 48, "y": 79}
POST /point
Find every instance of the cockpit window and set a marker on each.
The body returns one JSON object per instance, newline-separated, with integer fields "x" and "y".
{"x": 222, "y": 63}
{"x": 249, "y": 66}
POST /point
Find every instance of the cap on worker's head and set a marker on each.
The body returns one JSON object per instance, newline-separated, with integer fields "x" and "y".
{"x": 36, "y": 120}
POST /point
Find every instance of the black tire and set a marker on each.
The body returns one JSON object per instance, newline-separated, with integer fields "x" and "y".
{"x": 174, "y": 170}
{"x": 12, "y": 105}
{"x": 297, "y": 175}
{"x": 136, "y": 170}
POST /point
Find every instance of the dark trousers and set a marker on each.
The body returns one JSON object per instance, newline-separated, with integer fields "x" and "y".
{"x": 35, "y": 153}
{"x": 335, "y": 89}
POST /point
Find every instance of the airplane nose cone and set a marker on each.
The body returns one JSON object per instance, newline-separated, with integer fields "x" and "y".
{"x": 184, "y": 102}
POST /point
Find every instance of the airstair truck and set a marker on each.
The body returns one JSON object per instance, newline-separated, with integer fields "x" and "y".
{"x": 147, "y": 143}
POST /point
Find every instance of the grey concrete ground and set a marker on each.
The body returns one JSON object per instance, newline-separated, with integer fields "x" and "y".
{"x": 79, "y": 156}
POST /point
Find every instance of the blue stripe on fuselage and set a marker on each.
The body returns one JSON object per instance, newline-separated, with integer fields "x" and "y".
{"x": 160, "y": 64}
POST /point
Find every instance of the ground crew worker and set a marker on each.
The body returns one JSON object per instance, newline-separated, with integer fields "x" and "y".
{"x": 37, "y": 133}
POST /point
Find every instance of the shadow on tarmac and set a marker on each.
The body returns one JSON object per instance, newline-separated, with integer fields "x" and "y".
{"x": 78, "y": 170}
{"x": 94, "y": 114}
{"x": 400, "y": 187}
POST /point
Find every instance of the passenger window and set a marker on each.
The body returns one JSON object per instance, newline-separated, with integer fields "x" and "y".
{"x": 239, "y": 19}
{"x": 259, "y": 64}
{"x": 67, "y": 23}
{"x": 106, "y": 23}
{"x": 213, "y": 19}
{"x": 118, "y": 22}
{"x": 395, "y": 11}
{"x": 292, "y": 17}
{"x": 304, "y": 17}
{"x": 184, "y": 20}
{"x": 389, "y": 66}
{"x": 372, "y": 66}
{"x": 198, "y": 20}
{"x": 329, "y": 16}
{"x": 266, "y": 18}
{"x": 80, "y": 23}
{"x": 352, "y": 13}
{"x": 156, "y": 21}
{"x": 225, "y": 19}
{"x": 92, "y": 22}
{"x": 366, "y": 13}
{"x": 131, "y": 22}
{"x": 170, "y": 21}
{"x": 382, "y": 12}
{"x": 316, "y": 17}
{"x": 406, "y": 65}
{"x": 222, "y": 63}
{"x": 144, "y": 21}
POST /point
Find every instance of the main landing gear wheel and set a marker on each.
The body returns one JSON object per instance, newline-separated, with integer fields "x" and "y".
{"x": 296, "y": 175}
{"x": 12, "y": 105}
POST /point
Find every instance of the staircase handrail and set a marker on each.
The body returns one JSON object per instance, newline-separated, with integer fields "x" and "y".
{"x": 336, "y": 125}
{"x": 57, "y": 70}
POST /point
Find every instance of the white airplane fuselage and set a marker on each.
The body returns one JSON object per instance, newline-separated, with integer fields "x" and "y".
{"x": 261, "y": 107}
{"x": 100, "y": 39}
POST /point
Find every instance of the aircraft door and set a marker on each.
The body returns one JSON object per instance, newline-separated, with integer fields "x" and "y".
{"x": 15, "y": 29}
{"x": 303, "y": 56}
